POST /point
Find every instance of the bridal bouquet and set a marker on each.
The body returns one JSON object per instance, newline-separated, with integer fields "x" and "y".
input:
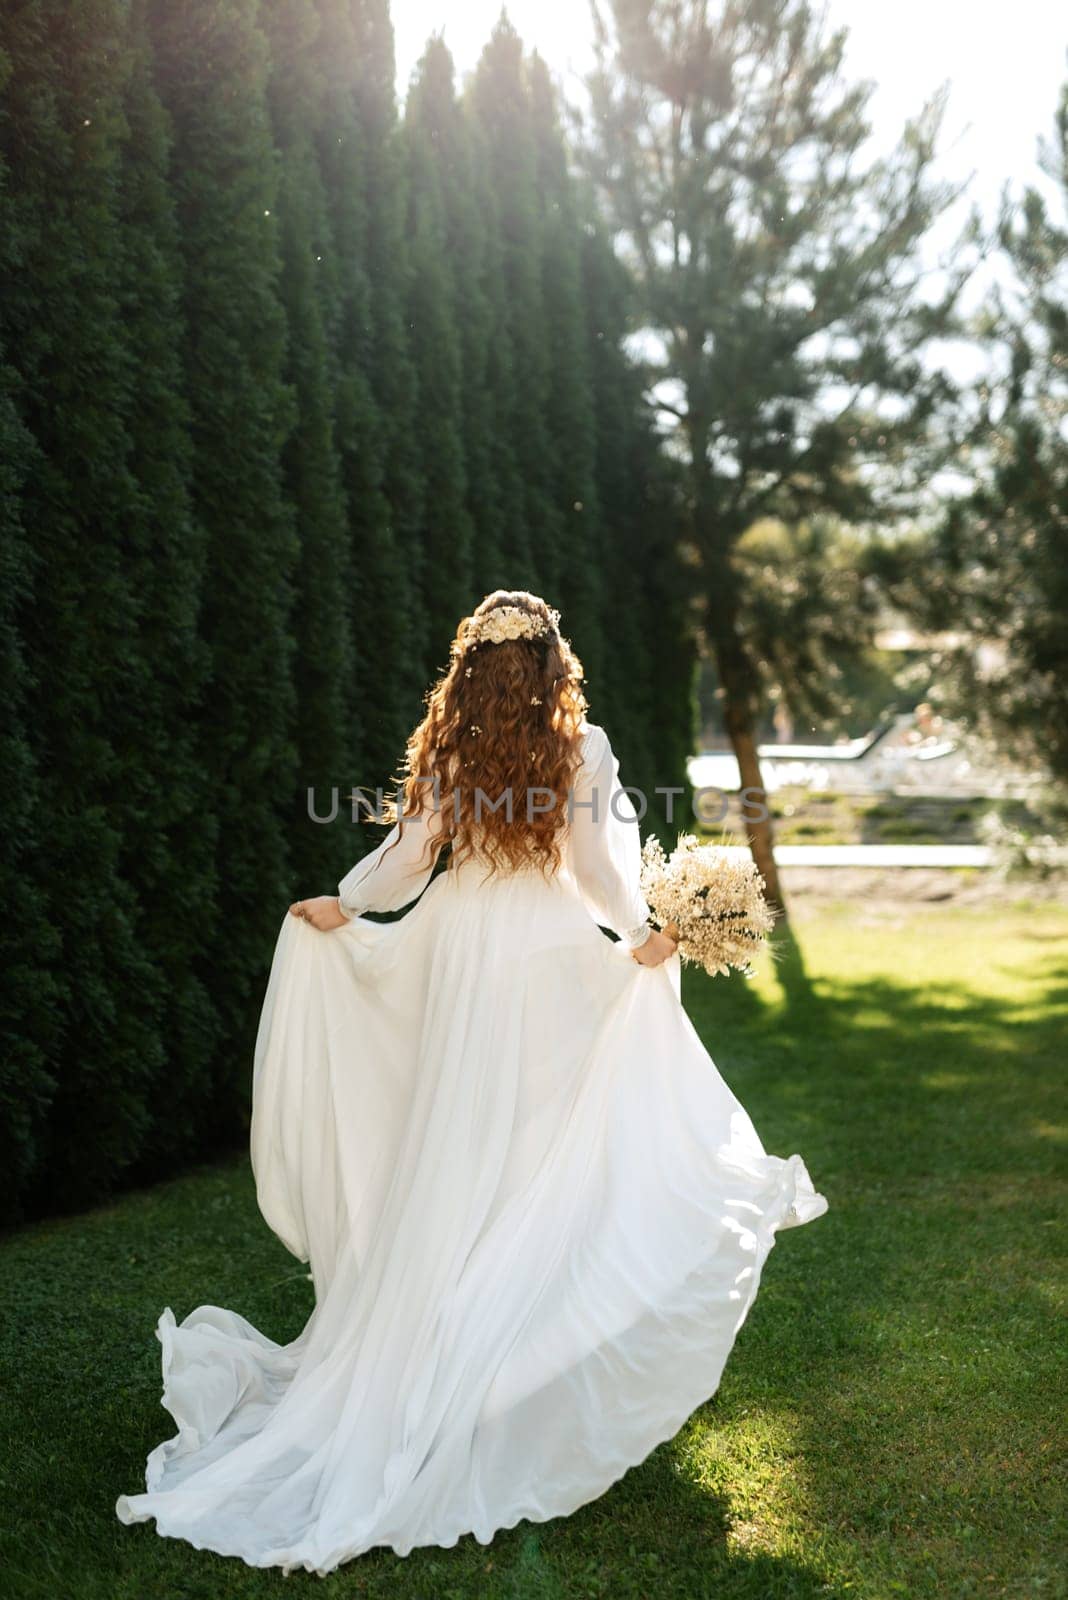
{"x": 710, "y": 900}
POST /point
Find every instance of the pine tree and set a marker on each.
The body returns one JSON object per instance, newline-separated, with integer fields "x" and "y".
{"x": 813, "y": 609}
{"x": 225, "y": 187}
{"x": 996, "y": 569}
{"x": 777, "y": 270}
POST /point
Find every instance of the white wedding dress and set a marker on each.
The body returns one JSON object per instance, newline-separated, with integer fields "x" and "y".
{"x": 534, "y": 1213}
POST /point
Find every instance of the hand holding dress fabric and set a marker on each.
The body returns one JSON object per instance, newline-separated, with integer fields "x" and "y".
{"x": 387, "y": 879}
{"x": 323, "y": 913}
{"x": 394, "y": 874}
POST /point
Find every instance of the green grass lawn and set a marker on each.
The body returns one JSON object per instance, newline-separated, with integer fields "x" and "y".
{"x": 887, "y": 1424}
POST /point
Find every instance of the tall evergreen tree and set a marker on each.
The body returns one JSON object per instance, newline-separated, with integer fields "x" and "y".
{"x": 63, "y": 133}
{"x": 503, "y": 556}
{"x": 520, "y": 373}
{"x": 435, "y": 114}
{"x": 327, "y": 735}
{"x": 996, "y": 570}
{"x": 569, "y": 414}
{"x": 777, "y": 271}
{"x": 434, "y": 323}
{"x": 375, "y": 576}
{"x": 398, "y": 542}
{"x": 28, "y": 943}
{"x": 169, "y": 834}
{"x": 382, "y": 575}
{"x": 225, "y": 188}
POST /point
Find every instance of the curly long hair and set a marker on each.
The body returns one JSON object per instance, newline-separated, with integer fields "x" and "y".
{"x": 505, "y": 717}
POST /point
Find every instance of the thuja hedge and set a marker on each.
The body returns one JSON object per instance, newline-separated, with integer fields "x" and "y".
{"x": 289, "y": 378}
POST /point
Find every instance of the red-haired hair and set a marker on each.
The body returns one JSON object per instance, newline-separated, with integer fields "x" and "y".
{"x": 504, "y": 718}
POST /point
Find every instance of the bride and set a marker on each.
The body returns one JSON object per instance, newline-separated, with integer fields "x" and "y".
{"x": 535, "y": 1215}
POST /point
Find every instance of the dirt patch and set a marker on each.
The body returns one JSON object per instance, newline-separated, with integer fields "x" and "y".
{"x": 891, "y": 888}
{"x": 804, "y": 816}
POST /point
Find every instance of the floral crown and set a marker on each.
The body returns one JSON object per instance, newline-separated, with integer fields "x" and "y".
{"x": 507, "y": 622}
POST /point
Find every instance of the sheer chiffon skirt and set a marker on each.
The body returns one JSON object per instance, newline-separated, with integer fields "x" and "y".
{"x": 534, "y": 1213}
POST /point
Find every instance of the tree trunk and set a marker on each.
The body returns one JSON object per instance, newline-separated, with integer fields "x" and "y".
{"x": 759, "y": 830}
{"x": 738, "y": 682}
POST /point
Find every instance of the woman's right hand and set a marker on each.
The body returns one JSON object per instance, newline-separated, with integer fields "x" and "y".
{"x": 656, "y": 949}
{"x": 324, "y": 912}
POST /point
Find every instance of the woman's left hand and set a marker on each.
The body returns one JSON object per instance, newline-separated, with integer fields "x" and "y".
{"x": 658, "y": 948}
{"x": 323, "y": 912}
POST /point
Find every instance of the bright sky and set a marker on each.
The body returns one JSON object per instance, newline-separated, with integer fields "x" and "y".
{"x": 1005, "y": 65}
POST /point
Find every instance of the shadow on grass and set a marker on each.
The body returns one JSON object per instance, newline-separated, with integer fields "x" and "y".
{"x": 789, "y": 960}
{"x": 914, "y": 1334}
{"x": 655, "y": 1533}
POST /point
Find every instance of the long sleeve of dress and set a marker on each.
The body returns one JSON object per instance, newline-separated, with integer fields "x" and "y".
{"x": 397, "y": 871}
{"x": 605, "y": 844}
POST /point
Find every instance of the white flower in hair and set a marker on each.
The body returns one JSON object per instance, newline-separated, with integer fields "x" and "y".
{"x": 508, "y": 622}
